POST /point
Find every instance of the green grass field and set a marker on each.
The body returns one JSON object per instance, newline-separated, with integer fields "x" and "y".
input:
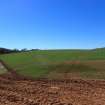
{"x": 54, "y": 63}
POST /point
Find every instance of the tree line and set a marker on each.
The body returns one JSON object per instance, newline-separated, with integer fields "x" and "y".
{"x": 7, "y": 51}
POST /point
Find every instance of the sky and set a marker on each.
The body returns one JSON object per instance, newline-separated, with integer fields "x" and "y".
{"x": 52, "y": 24}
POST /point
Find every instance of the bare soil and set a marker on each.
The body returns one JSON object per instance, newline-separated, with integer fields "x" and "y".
{"x": 51, "y": 92}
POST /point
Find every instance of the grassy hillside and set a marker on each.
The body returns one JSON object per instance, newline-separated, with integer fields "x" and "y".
{"x": 49, "y": 63}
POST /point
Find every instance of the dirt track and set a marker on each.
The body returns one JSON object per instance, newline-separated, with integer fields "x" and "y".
{"x": 51, "y": 92}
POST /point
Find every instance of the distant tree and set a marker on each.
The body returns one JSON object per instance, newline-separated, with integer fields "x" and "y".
{"x": 24, "y": 50}
{"x": 5, "y": 51}
{"x": 34, "y": 49}
{"x": 16, "y": 50}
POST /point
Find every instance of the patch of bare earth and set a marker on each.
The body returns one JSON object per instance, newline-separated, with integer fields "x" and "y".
{"x": 51, "y": 92}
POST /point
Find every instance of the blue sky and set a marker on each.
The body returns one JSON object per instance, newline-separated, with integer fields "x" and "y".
{"x": 50, "y": 24}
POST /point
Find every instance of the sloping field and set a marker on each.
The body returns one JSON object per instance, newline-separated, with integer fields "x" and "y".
{"x": 51, "y": 63}
{"x": 69, "y": 78}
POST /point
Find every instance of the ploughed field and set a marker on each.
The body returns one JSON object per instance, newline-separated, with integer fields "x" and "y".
{"x": 51, "y": 92}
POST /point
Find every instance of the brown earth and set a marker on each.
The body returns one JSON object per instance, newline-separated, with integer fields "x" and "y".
{"x": 51, "y": 92}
